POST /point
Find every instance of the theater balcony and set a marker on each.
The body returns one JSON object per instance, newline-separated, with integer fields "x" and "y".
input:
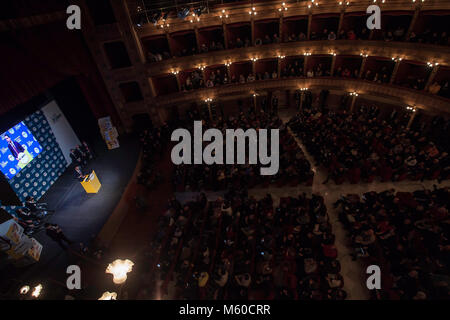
{"x": 170, "y": 54}
{"x": 295, "y": 28}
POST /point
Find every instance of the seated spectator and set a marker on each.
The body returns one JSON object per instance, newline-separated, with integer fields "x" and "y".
{"x": 331, "y": 36}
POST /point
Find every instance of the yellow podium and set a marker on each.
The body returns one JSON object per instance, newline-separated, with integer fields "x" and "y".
{"x": 91, "y": 183}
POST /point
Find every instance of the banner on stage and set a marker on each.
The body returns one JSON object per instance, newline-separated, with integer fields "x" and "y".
{"x": 109, "y": 132}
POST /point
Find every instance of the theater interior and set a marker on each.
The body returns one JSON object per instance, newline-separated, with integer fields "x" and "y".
{"x": 359, "y": 207}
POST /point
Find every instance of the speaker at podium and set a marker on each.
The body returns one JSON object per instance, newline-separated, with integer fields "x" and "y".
{"x": 91, "y": 184}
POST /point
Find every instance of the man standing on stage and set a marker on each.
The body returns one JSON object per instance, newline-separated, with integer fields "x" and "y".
{"x": 87, "y": 150}
{"x": 75, "y": 155}
{"x": 84, "y": 156}
{"x": 79, "y": 174}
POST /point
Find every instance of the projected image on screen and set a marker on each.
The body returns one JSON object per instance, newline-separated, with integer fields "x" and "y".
{"x": 18, "y": 147}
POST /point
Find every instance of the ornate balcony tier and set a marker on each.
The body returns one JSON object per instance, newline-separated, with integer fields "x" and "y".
{"x": 238, "y": 12}
{"x": 404, "y": 50}
{"x": 368, "y": 89}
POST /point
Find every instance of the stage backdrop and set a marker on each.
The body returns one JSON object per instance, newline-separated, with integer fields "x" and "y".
{"x": 39, "y": 175}
{"x": 63, "y": 132}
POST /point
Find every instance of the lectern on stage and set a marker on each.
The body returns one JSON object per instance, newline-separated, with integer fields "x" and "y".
{"x": 91, "y": 183}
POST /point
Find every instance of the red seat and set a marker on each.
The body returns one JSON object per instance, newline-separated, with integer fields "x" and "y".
{"x": 402, "y": 177}
{"x": 386, "y": 174}
{"x": 418, "y": 176}
{"x": 339, "y": 180}
{"x": 435, "y": 174}
{"x": 354, "y": 175}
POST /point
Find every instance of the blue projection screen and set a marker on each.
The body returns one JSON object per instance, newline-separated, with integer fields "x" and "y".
{"x": 18, "y": 147}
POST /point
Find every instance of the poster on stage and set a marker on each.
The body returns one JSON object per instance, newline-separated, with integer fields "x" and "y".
{"x": 18, "y": 147}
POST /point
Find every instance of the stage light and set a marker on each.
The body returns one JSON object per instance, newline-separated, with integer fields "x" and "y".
{"x": 108, "y": 296}
{"x": 119, "y": 269}
{"x": 37, "y": 291}
{"x": 24, "y": 290}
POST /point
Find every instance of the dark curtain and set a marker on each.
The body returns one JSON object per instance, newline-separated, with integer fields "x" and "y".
{"x": 35, "y": 59}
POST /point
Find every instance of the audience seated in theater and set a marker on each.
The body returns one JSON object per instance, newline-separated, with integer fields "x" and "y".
{"x": 361, "y": 146}
{"x": 242, "y": 248}
{"x": 406, "y": 235}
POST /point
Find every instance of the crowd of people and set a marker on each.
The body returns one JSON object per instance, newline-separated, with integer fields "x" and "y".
{"x": 379, "y": 76}
{"x": 213, "y": 46}
{"x": 399, "y": 33}
{"x": 31, "y": 215}
{"x": 157, "y": 55}
{"x": 293, "y": 168}
{"x": 238, "y": 247}
{"x": 406, "y": 235}
{"x": 153, "y": 142}
{"x": 430, "y": 37}
{"x": 363, "y": 146}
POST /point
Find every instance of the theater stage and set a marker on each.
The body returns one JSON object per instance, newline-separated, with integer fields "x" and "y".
{"x": 80, "y": 215}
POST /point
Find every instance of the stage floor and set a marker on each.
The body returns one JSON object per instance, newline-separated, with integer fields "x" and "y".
{"x": 81, "y": 216}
